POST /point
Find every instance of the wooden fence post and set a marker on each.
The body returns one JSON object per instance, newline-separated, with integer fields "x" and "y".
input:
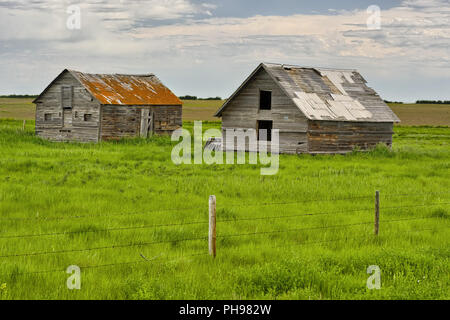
{"x": 377, "y": 212}
{"x": 23, "y": 126}
{"x": 212, "y": 226}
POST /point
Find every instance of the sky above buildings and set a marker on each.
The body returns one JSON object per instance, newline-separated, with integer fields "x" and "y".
{"x": 208, "y": 47}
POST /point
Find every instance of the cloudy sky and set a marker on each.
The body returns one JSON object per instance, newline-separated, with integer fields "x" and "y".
{"x": 208, "y": 47}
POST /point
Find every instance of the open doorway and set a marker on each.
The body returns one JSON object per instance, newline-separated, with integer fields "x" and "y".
{"x": 267, "y": 126}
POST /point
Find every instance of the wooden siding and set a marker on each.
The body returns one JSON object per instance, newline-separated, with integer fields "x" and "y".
{"x": 125, "y": 121}
{"x": 336, "y": 137}
{"x": 68, "y": 124}
{"x": 119, "y": 122}
{"x": 243, "y": 113}
{"x": 167, "y": 119}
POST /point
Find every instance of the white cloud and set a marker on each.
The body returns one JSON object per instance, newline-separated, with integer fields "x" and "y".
{"x": 131, "y": 35}
{"x": 405, "y": 33}
{"x": 121, "y": 11}
{"x": 427, "y": 4}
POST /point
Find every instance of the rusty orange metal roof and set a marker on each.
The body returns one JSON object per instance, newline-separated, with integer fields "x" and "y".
{"x": 122, "y": 89}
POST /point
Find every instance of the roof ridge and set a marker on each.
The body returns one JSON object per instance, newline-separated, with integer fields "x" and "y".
{"x": 114, "y": 74}
{"x": 309, "y": 67}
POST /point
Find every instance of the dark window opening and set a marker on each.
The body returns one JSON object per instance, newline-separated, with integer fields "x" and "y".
{"x": 265, "y": 130}
{"x": 48, "y": 117}
{"x": 265, "y": 100}
{"x": 87, "y": 117}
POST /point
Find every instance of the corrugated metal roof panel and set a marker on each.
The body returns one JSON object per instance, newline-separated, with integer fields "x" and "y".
{"x": 117, "y": 89}
{"x": 331, "y": 94}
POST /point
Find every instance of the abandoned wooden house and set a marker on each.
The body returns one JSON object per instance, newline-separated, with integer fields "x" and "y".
{"x": 85, "y": 107}
{"x": 316, "y": 110}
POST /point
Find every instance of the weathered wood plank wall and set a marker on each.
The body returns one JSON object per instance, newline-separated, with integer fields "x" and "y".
{"x": 125, "y": 121}
{"x": 336, "y": 136}
{"x": 243, "y": 113}
{"x": 167, "y": 119}
{"x": 119, "y": 122}
{"x": 68, "y": 124}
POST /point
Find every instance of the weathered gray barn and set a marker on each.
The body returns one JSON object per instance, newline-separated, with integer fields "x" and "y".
{"x": 315, "y": 110}
{"x": 85, "y": 107}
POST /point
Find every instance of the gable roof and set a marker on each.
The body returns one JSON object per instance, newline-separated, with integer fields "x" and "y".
{"x": 326, "y": 94}
{"x": 122, "y": 89}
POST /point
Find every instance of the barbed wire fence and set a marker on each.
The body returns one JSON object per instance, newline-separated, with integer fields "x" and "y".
{"x": 212, "y": 224}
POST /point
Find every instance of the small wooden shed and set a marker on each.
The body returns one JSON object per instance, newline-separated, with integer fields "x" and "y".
{"x": 86, "y": 107}
{"x": 316, "y": 110}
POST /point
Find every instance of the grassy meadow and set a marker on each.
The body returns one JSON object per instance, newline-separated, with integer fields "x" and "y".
{"x": 136, "y": 223}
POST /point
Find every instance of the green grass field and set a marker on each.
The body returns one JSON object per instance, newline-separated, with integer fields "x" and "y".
{"x": 102, "y": 207}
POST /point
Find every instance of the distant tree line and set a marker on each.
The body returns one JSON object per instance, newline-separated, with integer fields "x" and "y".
{"x": 18, "y": 96}
{"x": 197, "y": 98}
{"x": 35, "y": 96}
{"x": 188, "y": 98}
{"x": 433, "y": 101}
{"x": 422, "y": 102}
{"x": 397, "y": 102}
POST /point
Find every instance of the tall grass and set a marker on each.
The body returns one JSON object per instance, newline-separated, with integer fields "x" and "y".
{"x": 85, "y": 189}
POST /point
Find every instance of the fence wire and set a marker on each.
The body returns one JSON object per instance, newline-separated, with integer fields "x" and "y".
{"x": 119, "y": 246}
{"x": 62, "y": 233}
{"x": 142, "y": 244}
{"x": 225, "y": 236}
{"x": 136, "y": 262}
{"x": 144, "y": 261}
{"x": 34, "y": 219}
